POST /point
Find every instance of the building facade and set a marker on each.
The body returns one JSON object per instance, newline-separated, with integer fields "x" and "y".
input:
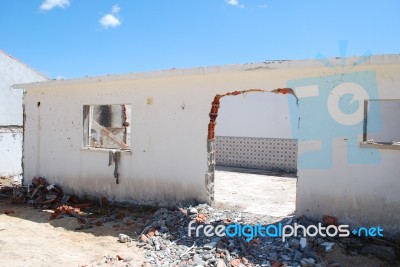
{"x": 342, "y": 115}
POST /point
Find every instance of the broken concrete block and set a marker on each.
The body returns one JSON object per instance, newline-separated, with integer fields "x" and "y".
{"x": 124, "y": 238}
{"x": 192, "y": 211}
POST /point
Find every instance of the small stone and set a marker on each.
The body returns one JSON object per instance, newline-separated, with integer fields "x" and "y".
{"x": 207, "y": 257}
{"x": 307, "y": 262}
{"x": 210, "y": 245}
{"x": 127, "y": 259}
{"x": 303, "y": 242}
{"x": 192, "y": 211}
{"x": 211, "y": 261}
{"x": 310, "y": 254}
{"x": 298, "y": 255}
{"x": 273, "y": 255}
{"x": 327, "y": 246}
{"x": 285, "y": 257}
{"x": 294, "y": 243}
{"x": 124, "y": 238}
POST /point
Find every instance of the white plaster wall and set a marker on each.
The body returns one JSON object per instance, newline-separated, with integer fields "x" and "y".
{"x": 10, "y": 154}
{"x": 357, "y": 194}
{"x": 11, "y": 72}
{"x": 255, "y": 115}
{"x": 169, "y": 154}
{"x": 168, "y": 161}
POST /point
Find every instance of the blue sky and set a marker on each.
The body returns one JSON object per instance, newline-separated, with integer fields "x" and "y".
{"x": 75, "y": 38}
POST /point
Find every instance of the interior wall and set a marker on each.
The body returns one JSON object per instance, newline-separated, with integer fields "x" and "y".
{"x": 255, "y": 115}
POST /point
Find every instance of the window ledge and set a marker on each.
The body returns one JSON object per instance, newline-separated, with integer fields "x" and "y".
{"x": 380, "y": 146}
{"x": 106, "y": 150}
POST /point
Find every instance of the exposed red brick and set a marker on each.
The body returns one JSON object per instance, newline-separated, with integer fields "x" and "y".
{"x": 235, "y": 263}
{"x": 65, "y": 209}
{"x": 276, "y": 264}
{"x": 329, "y": 220}
{"x": 200, "y": 218}
{"x": 144, "y": 238}
{"x": 152, "y": 232}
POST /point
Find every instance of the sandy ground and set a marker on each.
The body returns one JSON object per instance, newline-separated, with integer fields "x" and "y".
{"x": 258, "y": 192}
{"x": 29, "y": 238}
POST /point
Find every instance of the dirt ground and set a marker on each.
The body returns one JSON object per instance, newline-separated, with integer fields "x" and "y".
{"x": 256, "y": 191}
{"x": 29, "y": 238}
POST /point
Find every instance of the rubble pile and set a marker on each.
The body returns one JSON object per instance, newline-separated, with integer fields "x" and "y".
{"x": 167, "y": 242}
{"x": 40, "y": 194}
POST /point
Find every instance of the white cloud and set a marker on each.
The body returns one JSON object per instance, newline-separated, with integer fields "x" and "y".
{"x": 235, "y": 3}
{"x": 112, "y": 19}
{"x": 50, "y": 4}
{"x": 115, "y": 9}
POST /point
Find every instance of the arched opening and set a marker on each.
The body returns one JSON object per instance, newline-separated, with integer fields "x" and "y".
{"x": 262, "y": 169}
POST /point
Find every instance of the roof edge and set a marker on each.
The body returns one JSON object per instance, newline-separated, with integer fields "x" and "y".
{"x": 269, "y": 64}
{"x": 24, "y": 64}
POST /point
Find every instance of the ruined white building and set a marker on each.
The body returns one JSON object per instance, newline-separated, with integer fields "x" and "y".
{"x": 154, "y": 133}
{"x": 11, "y": 120}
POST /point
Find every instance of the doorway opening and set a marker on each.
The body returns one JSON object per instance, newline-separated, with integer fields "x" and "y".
{"x": 252, "y": 153}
